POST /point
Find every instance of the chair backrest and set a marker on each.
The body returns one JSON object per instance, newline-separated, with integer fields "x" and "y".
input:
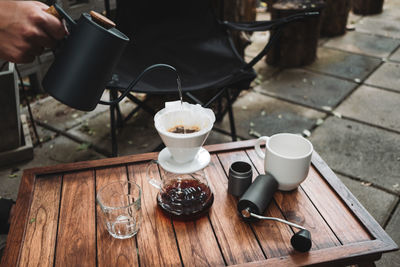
{"x": 165, "y": 17}
{"x": 183, "y": 33}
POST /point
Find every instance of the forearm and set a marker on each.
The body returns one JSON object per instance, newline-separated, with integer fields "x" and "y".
{"x": 7, "y": 13}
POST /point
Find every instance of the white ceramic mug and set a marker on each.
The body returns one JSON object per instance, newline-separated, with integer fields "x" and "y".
{"x": 287, "y": 157}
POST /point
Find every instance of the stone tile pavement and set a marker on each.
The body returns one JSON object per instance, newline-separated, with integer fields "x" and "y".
{"x": 347, "y": 103}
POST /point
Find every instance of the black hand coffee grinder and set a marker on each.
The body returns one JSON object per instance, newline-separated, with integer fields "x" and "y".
{"x": 256, "y": 199}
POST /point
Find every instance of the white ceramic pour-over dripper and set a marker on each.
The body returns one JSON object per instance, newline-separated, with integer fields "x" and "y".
{"x": 184, "y": 147}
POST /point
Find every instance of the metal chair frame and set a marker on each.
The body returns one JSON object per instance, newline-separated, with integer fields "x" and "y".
{"x": 117, "y": 120}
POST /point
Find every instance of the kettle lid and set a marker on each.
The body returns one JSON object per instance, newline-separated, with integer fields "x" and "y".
{"x": 104, "y": 24}
{"x": 102, "y": 20}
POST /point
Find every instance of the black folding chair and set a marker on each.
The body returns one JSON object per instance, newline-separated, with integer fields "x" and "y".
{"x": 185, "y": 34}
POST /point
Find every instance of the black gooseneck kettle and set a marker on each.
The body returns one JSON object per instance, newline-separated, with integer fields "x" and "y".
{"x": 85, "y": 59}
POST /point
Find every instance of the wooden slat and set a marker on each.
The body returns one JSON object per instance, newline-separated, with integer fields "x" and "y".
{"x": 41, "y": 230}
{"x": 351, "y": 201}
{"x": 75, "y": 243}
{"x": 335, "y": 256}
{"x": 340, "y": 219}
{"x": 274, "y": 237}
{"x": 236, "y": 238}
{"x": 18, "y": 222}
{"x": 156, "y": 240}
{"x": 76, "y": 240}
{"x": 112, "y": 251}
{"x": 98, "y": 163}
{"x": 84, "y": 165}
{"x": 197, "y": 243}
{"x": 226, "y": 147}
{"x": 297, "y": 208}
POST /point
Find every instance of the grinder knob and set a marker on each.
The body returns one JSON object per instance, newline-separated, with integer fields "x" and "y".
{"x": 301, "y": 241}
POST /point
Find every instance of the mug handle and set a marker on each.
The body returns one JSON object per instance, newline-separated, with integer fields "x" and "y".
{"x": 257, "y": 147}
{"x": 152, "y": 181}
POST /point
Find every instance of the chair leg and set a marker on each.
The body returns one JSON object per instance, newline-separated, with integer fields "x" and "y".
{"x": 219, "y": 110}
{"x": 231, "y": 118}
{"x": 120, "y": 120}
{"x": 114, "y": 144}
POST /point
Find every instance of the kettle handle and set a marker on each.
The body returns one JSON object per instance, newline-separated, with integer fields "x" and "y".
{"x": 59, "y": 13}
{"x": 152, "y": 181}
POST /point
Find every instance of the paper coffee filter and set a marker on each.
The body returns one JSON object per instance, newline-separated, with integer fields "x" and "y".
{"x": 188, "y": 115}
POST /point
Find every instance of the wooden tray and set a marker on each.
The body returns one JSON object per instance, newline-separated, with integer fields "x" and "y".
{"x": 57, "y": 221}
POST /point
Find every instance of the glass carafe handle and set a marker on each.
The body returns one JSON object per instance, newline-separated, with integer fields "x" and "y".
{"x": 157, "y": 184}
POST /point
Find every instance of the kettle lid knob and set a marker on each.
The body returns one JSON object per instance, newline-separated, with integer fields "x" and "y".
{"x": 102, "y": 20}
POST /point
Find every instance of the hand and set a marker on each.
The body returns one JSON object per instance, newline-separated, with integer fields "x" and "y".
{"x": 26, "y": 29}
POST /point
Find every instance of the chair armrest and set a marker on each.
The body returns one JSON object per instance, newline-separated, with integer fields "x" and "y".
{"x": 267, "y": 25}
{"x": 275, "y": 25}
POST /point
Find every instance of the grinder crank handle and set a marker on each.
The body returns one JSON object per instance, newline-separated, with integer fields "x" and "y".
{"x": 246, "y": 214}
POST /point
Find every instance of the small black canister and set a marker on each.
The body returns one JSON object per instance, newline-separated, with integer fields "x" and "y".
{"x": 240, "y": 176}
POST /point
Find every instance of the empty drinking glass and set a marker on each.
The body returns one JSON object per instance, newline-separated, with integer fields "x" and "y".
{"x": 120, "y": 205}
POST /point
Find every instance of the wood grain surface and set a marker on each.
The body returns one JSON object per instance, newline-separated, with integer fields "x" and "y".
{"x": 76, "y": 239}
{"x": 197, "y": 243}
{"x": 57, "y": 223}
{"x": 196, "y": 240}
{"x": 236, "y": 238}
{"x": 357, "y": 210}
{"x": 347, "y": 228}
{"x": 41, "y": 231}
{"x": 336, "y": 256}
{"x": 156, "y": 239}
{"x": 121, "y": 252}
